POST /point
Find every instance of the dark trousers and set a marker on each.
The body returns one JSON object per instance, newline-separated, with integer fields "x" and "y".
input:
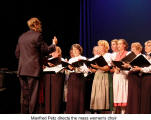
{"x": 29, "y": 92}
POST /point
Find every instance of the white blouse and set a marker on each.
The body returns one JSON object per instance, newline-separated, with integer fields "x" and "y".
{"x": 113, "y": 55}
{"x": 75, "y": 59}
{"x": 83, "y": 69}
{"x": 108, "y": 58}
{"x": 146, "y": 69}
{"x": 94, "y": 57}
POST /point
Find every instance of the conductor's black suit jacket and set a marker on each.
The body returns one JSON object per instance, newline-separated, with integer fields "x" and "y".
{"x": 30, "y": 50}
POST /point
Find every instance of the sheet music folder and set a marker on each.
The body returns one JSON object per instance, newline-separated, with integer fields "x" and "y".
{"x": 127, "y": 59}
{"x": 139, "y": 61}
{"x": 78, "y": 63}
{"x": 119, "y": 65}
{"x": 100, "y": 61}
{"x": 55, "y": 61}
{"x": 65, "y": 64}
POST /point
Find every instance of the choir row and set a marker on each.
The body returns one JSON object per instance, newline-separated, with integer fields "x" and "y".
{"x": 98, "y": 88}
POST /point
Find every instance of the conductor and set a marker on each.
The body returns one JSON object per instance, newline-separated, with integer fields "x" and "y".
{"x": 30, "y": 50}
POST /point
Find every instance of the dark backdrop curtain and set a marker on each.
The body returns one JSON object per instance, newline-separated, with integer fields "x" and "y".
{"x": 110, "y": 19}
{"x": 86, "y": 27}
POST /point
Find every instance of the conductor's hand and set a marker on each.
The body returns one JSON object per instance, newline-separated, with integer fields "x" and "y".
{"x": 54, "y": 40}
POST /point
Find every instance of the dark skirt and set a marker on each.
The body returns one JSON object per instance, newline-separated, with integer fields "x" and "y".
{"x": 88, "y": 89}
{"x": 57, "y": 88}
{"x": 76, "y": 94}
{"x": 54, "y": 85}
{"x": 134, "y": 93}
{"x": 47, "y": 78}
{"x": 146, "y": 94}
{"x": 110, "y": 76}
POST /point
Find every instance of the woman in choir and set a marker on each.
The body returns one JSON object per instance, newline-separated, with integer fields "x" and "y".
{"x": 54, "y": 85}
{"x": 145, "y": 82}
{"x": 90, "y": 77}
{"x": 67, "y": 73}
{"x": 134, "y": 84}
{"x": 114, "y": 48}
{"x": 76, "y": 84}
{"x": 71, "y": 53}
{"x": 120, "y": 81}
{"x": 96, "y": 51}
{"x": 100, "y": 87}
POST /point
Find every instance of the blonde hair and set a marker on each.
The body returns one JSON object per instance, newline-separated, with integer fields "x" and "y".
{"x": 105, "y": 44}
{"x": 149, "y": 41}
{"x": 114, "y": 40}
{"x": 124, "y": 42}
{"x": 137, "y": 45}
{"x": 78, "y": 47}
{"x": 34, "y": 24}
